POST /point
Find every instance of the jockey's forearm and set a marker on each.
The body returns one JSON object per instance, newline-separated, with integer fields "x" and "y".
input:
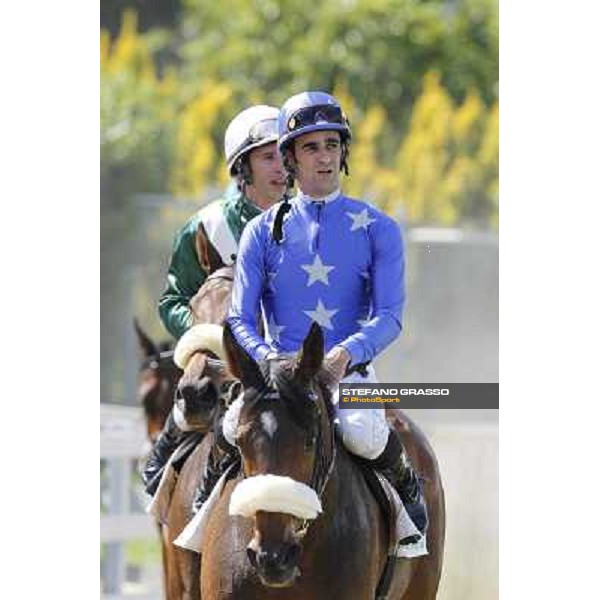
{"x": 175, "y": 315}
{"x": 388, "y": 295}
{"x": 248, "y": 337}
{"x": 376, "y": 335}
{"x": 184, "y": 278}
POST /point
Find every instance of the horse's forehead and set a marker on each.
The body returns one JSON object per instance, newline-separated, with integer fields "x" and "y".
{"x": 269, "y": 422}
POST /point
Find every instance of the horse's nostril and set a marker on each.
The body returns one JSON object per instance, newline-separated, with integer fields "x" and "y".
{"x": 251, "y": 556}
{"x": 209, "y": 393}
{"x": 291, "y": 554}
{"x": 287, "y": 556}
{"x": 203, "y": 391}
{"x": 185, "y": 391}
{"x": 266, "y": 560}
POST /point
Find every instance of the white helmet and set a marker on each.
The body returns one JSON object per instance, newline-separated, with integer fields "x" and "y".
{"x": 253, "y": 127}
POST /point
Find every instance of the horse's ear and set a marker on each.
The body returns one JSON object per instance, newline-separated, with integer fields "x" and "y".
{"x": 311, "y": 355}
{"x": 241, "y": 364}
{"x": 146, "y": 344}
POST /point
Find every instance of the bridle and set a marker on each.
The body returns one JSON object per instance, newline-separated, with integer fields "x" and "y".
{"x": 155, "y": 361}
{"x": 323, "y": 468}
{"x": 325, "y": 459}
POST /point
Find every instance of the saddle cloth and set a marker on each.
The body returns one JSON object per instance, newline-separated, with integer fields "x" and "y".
{"x": 192, "y": 536}
{"x": 159, "y": 505}
{"x": 400, "y": 524}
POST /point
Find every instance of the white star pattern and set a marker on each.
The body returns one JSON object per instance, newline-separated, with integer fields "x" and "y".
{"x": 360, "y": 220}
{"x": 317, "y": 272}
{"x": 275, "y": 330}
{"x": 321, "y": 315}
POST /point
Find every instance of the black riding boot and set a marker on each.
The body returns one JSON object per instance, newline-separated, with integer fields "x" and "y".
{"x": 394, "y": 463}
{"x": 164, "y": 446}
{"x": 222, "y": 454}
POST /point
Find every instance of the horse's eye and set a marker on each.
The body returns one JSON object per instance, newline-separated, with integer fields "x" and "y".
{"x": 244, "y": 433}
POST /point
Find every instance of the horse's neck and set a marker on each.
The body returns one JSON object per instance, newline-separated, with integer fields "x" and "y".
{"x": 351, "y": 515}
{"x": 211, "y": 304}
{"x": 345, "y": 477}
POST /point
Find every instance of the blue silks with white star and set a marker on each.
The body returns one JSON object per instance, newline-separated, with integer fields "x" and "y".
{"x": 341, "y": 264}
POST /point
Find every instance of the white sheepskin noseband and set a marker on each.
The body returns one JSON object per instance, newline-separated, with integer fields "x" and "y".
{"x": 205, "y": 336}
{"x": 273, "y": 493}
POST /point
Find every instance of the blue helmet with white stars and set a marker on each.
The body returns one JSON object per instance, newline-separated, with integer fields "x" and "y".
{"x": 311, "y": 111}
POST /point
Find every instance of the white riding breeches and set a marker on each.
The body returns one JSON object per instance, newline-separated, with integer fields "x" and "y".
{"x": 364, "y": 430}
{"x": 231, "y": 418}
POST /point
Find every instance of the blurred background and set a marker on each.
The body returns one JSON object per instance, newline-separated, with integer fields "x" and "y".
{"x": 419, "y": 82}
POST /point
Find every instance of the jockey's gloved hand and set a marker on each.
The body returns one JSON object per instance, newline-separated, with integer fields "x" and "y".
{"x": 335, "y": 364}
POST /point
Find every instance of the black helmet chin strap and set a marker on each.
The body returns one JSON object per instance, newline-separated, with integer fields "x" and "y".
{"x": 283, "y": 210}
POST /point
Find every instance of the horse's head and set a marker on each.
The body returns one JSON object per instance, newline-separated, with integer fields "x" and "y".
{"x": 198, "y": 390}
{"x": 200, "y": 352}
{"x": 157, "y": 380}
{"x": 286, "y": 441}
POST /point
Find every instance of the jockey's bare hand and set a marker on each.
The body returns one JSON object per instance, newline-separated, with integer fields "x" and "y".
{"x": 335, "y": 364}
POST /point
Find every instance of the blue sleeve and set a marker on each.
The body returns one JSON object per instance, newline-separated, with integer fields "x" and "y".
{"x": 388, "y": 295}
{"x": 247, "y": 292}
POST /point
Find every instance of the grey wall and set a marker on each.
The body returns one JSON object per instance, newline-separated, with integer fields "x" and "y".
{"x": 451, "y": 317}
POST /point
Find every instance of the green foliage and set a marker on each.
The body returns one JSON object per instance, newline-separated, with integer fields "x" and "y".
{"x": 417, "y": 78}
{"x": 380, "y": 48}
{"x": 136, "y": 114}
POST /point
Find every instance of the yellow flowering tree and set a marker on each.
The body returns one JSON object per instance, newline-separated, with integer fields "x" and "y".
{"x": 447, "y": 164}
{"x": 162, "y": 132}
{"x": 137, "y": 110}
{"x": 197, "y": 157}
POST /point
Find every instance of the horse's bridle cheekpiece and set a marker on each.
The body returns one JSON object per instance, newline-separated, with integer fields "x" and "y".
{"x": 324, "y": 463}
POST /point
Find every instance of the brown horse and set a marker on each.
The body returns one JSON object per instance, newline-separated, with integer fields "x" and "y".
{"x": 285, "y": 430}
{"x": 198, "y": 396}
{"x": 157, "y": 381}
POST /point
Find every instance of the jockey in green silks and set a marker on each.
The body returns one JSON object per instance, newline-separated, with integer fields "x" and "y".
{"x": 209, "y": 240}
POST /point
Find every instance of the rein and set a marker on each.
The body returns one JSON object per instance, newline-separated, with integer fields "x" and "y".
{"x": 324, "y": 465}
{"x": 225, "y": 273}
{"x": 153, "y": 362}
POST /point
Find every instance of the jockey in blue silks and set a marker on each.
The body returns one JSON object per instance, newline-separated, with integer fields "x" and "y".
{"x": 325, "y": 257}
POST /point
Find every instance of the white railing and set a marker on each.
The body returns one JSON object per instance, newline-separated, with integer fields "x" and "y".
{"x": 122, "y": 441}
